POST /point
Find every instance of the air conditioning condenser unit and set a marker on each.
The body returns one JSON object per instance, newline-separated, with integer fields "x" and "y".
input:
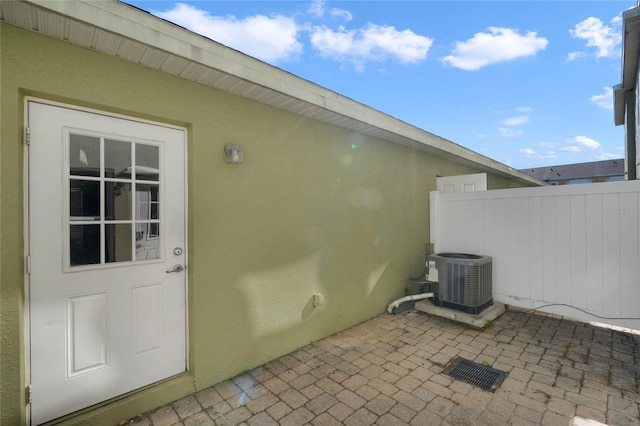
{"x": 464, "y": 281}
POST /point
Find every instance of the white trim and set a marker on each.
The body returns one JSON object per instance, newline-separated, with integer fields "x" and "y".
{"x": 169, "y": 48}
{"x": 105, "y": 113}
{"x": 26, "y": 227}
{"x": 101, "y": 220}
{"x": 26, "y": 254}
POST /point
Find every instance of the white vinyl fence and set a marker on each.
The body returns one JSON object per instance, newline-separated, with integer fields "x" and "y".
{"x": 563, "y": 246}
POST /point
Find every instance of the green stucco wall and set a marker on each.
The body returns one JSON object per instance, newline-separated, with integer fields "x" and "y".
{"x": 313, "y": 209}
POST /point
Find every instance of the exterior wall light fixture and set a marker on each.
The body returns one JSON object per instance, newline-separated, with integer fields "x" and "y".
{"x": 233, "y": 153}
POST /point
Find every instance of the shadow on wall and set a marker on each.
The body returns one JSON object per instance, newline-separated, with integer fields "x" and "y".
{"x": 343, "y": 230}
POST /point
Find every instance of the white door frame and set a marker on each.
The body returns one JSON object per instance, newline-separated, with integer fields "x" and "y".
{"x": 26, "y": 226}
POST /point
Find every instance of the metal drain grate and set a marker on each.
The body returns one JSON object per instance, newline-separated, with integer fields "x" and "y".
{"x": 475, "y": 374}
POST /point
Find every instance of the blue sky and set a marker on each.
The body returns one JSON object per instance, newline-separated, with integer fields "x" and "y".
{"x": 527, "y": 83}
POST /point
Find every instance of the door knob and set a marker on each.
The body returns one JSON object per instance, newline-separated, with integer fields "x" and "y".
{"x": 176, "y": 268}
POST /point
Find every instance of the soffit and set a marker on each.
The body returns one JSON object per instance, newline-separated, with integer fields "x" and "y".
{"x": 126, "y": 32}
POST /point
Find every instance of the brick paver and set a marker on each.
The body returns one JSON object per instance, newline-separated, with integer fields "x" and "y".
{"x": 186, "y": 407}
{"x": 389, "y": 371}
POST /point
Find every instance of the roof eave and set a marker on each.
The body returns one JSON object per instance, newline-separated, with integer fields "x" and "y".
{"x": 197, "y": 58}
{"x": 630, "y": 47}
{"x": 630, "y": 56}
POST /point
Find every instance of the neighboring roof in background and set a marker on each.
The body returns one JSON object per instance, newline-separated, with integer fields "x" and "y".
{"x": 579, "y": 170}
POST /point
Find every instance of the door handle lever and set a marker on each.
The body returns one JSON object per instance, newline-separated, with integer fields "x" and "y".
{"x": 176, "y": 268}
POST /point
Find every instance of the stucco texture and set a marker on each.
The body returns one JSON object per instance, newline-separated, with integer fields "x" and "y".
{"x": 313, "y": 209}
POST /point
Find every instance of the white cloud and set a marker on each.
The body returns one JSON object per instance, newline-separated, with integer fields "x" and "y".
{"x": 604, "y": 38}
{"x": 607, "y": 156}
{"x": 571, "y": 148}
{"x": 512, "y": 122}
{"x": 506, "y": 132}
{"x": 341, "y": 13}
{"x": 586, "y": 142}
{"x": 497, "y": 45}
{"x": 316, "y": 8}
{"x": 575, "y": 55}
{"x": 604, "y": 100}
{"x": 516, "y": 121}
{"x": 580, "y": 143}
{"x": 532, "y": 153}
{"x": 371, "y": 43}
{"x": 270, "y": 38}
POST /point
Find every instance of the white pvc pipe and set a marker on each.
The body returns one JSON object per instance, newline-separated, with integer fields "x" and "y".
{"x": 397, "y": 303}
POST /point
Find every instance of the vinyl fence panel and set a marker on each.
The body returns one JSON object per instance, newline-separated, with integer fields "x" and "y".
{"x": 572, "y": 250}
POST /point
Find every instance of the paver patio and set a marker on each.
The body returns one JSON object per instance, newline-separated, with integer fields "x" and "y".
{"x": 389, "y": 371}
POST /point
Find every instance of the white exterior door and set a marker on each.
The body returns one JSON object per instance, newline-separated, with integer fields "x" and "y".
{"x": 106, "y": 229}
{"x": 462, "y": 183}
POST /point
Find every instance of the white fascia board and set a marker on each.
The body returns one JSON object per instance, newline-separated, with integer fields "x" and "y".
{"x": 133, "y": 23}
{"x": 447, "y": 148}
{"x": 630, "y": 57}
{"x": 130, "y": 22}
{"x": 630, "y": 47}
